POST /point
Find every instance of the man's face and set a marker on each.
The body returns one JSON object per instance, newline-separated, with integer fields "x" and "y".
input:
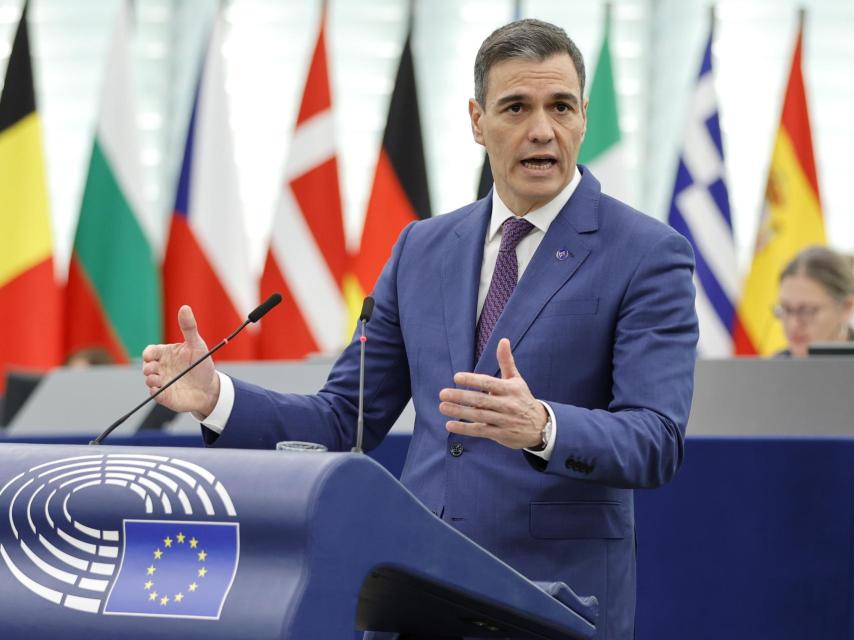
{"x": 532, "y": 126}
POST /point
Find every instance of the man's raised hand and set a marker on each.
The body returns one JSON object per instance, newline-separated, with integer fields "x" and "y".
{"x": 198, "y": 391}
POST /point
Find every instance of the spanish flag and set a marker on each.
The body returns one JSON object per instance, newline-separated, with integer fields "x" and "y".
{"x": 791, "y": 219}
{"x": 30, "y": 301}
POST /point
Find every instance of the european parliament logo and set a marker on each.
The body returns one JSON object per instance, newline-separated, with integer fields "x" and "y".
{"x": 167, "y": 546}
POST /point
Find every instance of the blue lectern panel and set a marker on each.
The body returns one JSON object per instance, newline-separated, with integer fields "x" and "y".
{"x": 140, "y": 543}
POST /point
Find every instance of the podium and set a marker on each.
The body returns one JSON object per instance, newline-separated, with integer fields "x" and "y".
{"x": 133, "y": 542}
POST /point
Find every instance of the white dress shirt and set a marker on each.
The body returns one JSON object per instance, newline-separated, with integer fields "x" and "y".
{"x": 541, "y": 218}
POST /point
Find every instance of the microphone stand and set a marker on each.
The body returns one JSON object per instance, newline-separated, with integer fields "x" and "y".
{"x": 360, "y": 420}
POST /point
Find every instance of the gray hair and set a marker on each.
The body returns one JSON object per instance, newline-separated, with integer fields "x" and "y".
{"x": 528, "y": 39}
{"x": 828, "y": 268}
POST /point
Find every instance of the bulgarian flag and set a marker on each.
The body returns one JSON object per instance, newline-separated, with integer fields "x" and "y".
{"x": 307, "y": 258}
{"x": 113, "y": 292}
{"x": 30, "y": 300}
{"x": 206, "y": 263}
{"x": 602, "y": 150}
{"x": 791, "y": 219}
{"x": 399, "y": 194}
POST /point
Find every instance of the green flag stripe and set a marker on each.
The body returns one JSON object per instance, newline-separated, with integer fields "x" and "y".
{"x": 117, "y": 257}
{"x": 603, "y": 124}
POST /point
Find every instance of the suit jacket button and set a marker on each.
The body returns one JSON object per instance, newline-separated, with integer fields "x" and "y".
{"x": 457, "y": 449}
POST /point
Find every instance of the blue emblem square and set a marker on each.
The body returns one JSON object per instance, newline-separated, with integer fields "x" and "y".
{"x": 175, "y": 569}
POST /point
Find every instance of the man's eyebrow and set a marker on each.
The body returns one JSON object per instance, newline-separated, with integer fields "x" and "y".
{"x": 566, "y": 97}
{"x": 516, "y": 97}
{"x": 563, "y": 96}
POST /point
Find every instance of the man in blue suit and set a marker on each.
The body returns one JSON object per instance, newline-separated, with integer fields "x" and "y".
{"x": 546, "y": 335}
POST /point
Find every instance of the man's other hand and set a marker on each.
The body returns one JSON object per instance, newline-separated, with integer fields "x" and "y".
{"x": 198, "y": 391}
{"x": 502, "y": 409}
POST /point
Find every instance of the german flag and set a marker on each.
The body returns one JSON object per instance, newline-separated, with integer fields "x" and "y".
{"x": 399, "y": 194}
{"x": 30, "y": 322}
{"x": 791, "y": 219}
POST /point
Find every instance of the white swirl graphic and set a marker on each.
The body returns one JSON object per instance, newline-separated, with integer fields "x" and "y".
{"x": 62, "y": 557}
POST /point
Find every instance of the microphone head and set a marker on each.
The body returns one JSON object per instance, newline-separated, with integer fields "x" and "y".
{"x": 261, "y": 310}
{"x": 367, "y": 309}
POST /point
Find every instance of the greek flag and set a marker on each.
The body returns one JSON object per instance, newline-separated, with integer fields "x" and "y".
{"x": 700, "y": 211}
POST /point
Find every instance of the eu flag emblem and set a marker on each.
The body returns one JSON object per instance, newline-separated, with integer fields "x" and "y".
{"x": 175, "y": 569}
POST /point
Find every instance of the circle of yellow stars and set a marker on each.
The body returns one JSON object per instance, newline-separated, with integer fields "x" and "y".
{"x": 168, "y": 543}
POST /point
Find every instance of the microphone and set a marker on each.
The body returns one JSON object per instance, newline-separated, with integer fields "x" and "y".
{"x": 364, "y": 316}
{"x": 259, "y": 312}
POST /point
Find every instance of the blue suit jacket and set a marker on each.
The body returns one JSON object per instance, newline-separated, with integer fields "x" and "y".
{"x": 602, "y": 327}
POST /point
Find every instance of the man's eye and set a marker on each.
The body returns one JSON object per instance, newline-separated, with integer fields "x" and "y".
{"x": 562, "y": 107}
{"x": 515, "y": 108}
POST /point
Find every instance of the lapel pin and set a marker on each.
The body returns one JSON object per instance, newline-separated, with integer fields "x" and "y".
{"x": 562, "y": 254}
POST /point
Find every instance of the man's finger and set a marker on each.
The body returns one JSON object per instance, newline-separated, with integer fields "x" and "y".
{"x": 485, "y": 383}
{"x": 475, "y": 429}
{"x": 470, "y": 414}
{"x": 187, "y": 322}
{"x": 505, "y": 360}
{"x": 476, "y": 399}
{"x": 151, "y": 353}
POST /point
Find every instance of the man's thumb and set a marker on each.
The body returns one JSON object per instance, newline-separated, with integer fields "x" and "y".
{"x": 505, "y": 359}
{"x": 187, "y": 322}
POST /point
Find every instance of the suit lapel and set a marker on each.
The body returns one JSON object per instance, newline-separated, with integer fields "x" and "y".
{"x": 460, "y": 282}
{"x": 560, "y": 254}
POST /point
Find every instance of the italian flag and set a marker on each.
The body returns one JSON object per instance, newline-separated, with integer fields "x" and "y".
{"x": 602, "y": 151}
{"x": 113, "y": 294}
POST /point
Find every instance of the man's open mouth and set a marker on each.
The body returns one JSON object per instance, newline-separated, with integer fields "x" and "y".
{"x": 539, "y": 162}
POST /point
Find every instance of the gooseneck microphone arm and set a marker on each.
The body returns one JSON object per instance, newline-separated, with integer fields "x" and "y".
{"x": 364, "y": 316}
{"x": 254, "y": 316}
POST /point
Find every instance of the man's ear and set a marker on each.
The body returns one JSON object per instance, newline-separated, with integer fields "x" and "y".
{"x": 475, "y": 113}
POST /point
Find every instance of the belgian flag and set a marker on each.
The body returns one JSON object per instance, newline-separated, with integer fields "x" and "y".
{"x": 30, "y": 321}
{"x": 399, "y": 194}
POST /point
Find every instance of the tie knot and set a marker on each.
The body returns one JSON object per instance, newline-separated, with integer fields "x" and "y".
{"x": 513, "y": 230}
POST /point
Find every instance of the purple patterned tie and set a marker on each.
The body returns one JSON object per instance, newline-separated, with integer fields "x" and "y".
{"x": 504, "y": 280}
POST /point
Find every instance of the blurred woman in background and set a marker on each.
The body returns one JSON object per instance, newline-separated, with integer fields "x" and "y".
{"x": 816, "y": 299}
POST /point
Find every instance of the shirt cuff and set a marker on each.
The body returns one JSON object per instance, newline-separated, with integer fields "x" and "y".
{"x": 546, "y": 453}
{"x": 225, "y": 403}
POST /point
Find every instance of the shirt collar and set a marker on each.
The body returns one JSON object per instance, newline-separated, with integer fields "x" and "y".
{"x": 541, "y": 218}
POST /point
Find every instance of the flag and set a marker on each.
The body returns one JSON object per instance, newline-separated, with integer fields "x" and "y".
{"x": 307, "y": 258}
{"x": 602, "y": 150}
{"x": 399, "y": 194}
{"x": 791, "y": 218}
{"x": 175, "y": 569}
{"x": 206, "y": 263}
{"x": 113, "y": 293}
{"x": 30, "y": 300}
{"x": 700, "y": 211}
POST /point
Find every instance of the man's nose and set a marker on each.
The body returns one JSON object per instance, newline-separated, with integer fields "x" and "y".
{"x": 540, "y": 127}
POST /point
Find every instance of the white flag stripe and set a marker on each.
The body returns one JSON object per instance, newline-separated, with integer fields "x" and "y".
{"x": 297, "y": 254}
{"x": 712, "y": 235}
{"x": 610, "y": 169}
{"x": 715, "y": 339}
{"x": 704, "y": 102}
{"x": 701, "y": 155}
{"x": 312, "y": 145}
{"x": 117, "y": 139}
{"x": 215, "y": 209}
